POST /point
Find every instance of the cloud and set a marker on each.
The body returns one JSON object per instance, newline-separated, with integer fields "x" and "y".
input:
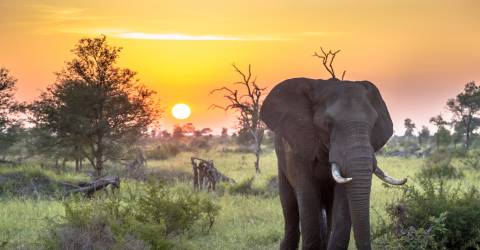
{"x": 176, "y": 37}
{"x": 126, "y": 34}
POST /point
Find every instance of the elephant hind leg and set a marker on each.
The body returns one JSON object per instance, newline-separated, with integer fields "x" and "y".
{"x": 290, "y": 213}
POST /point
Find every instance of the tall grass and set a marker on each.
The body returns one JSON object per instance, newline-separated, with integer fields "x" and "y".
{"x": 244, "y": 222}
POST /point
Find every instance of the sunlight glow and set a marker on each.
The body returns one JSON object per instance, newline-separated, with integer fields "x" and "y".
{"x": 181, "y": 111}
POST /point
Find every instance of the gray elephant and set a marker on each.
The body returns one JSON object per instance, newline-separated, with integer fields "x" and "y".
{"x": 326, "y": 136}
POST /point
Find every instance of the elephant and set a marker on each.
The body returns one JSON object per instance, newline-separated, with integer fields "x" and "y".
{"x": 326, "y": 136}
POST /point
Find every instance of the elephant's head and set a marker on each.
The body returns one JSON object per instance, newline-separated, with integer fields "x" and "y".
{"x": 342, "y": 120}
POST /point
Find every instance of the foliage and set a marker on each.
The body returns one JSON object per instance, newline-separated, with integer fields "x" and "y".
{"x": 432, "y": 216}
{"x": 409, "y": 127}
{"x": 442, "y": 136}
{"x": 413, "y": 238}
{"x": 7, "y": 102}
{"x": 163, "y": 151}
{"x": 472, "y": 160}
{"x": 200, "y": 143}
{"x": 424, "y": 135}
{"x": 94, "y": 106}
{"x": 150, "y": 218}
{"x": 244, "y": 187}
{"x": 465, "y": 108}
{"x": 439, "y": 165}
{"x": 10, "y": 126}
{"x": 247, "y": 187}
{"x": 24, "y": 181}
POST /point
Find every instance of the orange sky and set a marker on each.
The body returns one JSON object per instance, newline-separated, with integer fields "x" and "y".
{"x": 419, "y": 53}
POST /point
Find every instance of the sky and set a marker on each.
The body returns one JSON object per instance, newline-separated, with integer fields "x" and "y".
{"x": 418, "y": 53}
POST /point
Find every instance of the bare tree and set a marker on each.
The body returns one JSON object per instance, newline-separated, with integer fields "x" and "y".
{"x": 248, "y": 107}
{"x": 327, "y": 60}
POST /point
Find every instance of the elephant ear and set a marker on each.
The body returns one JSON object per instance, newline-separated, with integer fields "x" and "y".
{"x": 383, "y": 128}
{"x": 288, "y": 111}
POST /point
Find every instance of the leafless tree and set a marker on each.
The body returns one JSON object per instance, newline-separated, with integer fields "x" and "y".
{"x": 327, "y": 60}
{"x": 247, "y": 103}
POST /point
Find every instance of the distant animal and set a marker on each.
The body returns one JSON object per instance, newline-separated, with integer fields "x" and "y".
{"x": 326, "y": 136}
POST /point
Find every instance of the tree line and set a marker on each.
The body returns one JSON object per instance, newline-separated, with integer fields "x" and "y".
{"x": 464, "y": 109}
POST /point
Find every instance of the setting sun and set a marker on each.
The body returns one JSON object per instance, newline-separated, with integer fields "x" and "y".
{"x": 181, "y": 111}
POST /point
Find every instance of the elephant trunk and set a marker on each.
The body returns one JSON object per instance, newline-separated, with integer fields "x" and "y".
{"x": 359, "y": 167}
{"x": 358, "y": 195}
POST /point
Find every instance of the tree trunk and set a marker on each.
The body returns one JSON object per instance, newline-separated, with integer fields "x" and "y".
{"x": 257, "y": 160}
{"x": 467, "y": 140}
{"x": 99, "y": 160}
{"x": 77, "y": 165}
{"x": 257, "y": 136}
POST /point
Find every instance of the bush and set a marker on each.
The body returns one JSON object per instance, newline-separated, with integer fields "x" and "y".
{"x": 143, "y": 219}
{"x": 32, "y": 182}
{"x": 200, "y": 143}
{"x": 163, "y": 151}
{"x": 472, "y": 161}
{"x": 431, "y": 217}
{"x": 439, "y": 165}
{"x": 246, "y": 187}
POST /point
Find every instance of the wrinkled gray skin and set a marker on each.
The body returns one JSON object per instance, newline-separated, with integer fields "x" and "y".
{"x": 316, "y": 123}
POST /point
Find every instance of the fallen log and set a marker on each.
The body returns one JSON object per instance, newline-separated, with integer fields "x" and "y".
{"x": 89, "y": 188}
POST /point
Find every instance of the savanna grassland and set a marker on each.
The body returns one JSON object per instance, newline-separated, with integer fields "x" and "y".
{"x": 246, "y": 220}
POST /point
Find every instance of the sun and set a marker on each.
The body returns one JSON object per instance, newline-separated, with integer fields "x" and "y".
{"x": 181, "y": 111}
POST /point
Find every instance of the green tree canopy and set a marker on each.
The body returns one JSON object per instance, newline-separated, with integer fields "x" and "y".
{"x": 465, "y": 108}
{"x": 95, "y": 106}
{"x": 409, "y": 127}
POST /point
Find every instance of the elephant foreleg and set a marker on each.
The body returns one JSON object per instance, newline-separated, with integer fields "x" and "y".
{"x": 310, "y": 210}
{"x": 341, "y": 223}
{"x": 290, "y": 214}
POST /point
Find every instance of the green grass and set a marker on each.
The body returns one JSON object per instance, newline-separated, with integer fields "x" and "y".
{"x": 22, "y": 221}
{"x": 244, "y": 222}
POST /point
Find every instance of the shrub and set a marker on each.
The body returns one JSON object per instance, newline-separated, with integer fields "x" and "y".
{"x": 163, "y": 151}
{"x": 472, "y": 160}
{"x": 30, "y": 182}
{"x": 147, "y": 218}
{"x": 246, "y": 187}
{"x": 431, "y": 216}
{"x": 439, "y": 165}
{"x": 200, "y": 143}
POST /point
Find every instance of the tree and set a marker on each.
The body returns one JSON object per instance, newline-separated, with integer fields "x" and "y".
{"x": 248, "y": 106}
{"x": 458, "y": 135}
{"x": 11, "y": 129}
{"x": 327, "y": 61}
{"x": 224, "y": 132}
{"x": 95, "y": 106}
{"x": 442, "y": 136}
{"x": 177, "y": 132}
{"x": 409, "y": 127}
{"x": 465, "y": 108}
{"x": 166, "y": 135}
{"x": 424, "y": 135}
{"x": 8, "y": 105}
{"x": 188, "y": 129}
{"x": 206, "y": 131}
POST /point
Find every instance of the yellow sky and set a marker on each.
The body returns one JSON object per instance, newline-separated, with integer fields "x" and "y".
{"x": 419, "y": 53}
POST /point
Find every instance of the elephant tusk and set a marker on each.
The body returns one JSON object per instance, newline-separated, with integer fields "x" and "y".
{"x": 386, "y": 178}
{"x": 337, "y": 176}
